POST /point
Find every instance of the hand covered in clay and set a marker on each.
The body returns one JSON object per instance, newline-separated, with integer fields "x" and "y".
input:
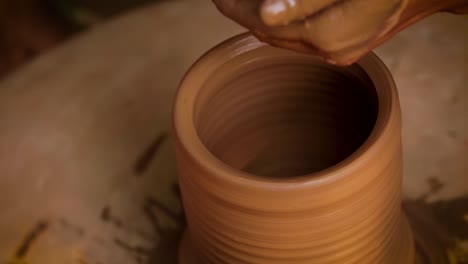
{"x": 340, "y": 31}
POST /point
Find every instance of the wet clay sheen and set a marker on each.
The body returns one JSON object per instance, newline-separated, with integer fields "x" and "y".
{"x": 339, "y": 31}
{"x": 285, "y": 159}
{"x": 331, "y": 27}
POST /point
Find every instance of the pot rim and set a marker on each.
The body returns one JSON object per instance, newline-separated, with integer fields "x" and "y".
{"x": 186, "y": 136}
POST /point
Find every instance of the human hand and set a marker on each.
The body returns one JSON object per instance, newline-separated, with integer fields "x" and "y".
{"x": 340, "y": 31}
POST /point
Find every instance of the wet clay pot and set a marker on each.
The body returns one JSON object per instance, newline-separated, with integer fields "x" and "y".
{"x": 285, "y": 159}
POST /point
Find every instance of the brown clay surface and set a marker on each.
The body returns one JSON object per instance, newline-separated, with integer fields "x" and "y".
{"x": 122, "y": 79}
{"x": 283, "y": 158}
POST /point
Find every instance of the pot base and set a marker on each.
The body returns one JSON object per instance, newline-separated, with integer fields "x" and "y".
{"x": 427, "y": 250}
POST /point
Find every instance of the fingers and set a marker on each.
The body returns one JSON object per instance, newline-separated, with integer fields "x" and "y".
{"x": 342, "y": 32}
{"x": 351, "y": 23}
{"x": 283, "y": 12}
{"x": 245, "y": 12}
{"x": 338, "y": 30}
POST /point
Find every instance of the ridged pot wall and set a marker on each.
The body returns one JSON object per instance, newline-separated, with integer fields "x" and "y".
{"x": 285, "y": 159}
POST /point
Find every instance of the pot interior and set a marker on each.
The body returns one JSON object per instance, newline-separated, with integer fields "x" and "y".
{"x": 285, "y": 115}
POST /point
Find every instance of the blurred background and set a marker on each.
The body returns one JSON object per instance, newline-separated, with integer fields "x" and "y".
{"x": 30, "y": 27}
{"x": 95, "y": 79}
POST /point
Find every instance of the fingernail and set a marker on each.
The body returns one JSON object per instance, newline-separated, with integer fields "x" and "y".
{"x": 275, "y": 12}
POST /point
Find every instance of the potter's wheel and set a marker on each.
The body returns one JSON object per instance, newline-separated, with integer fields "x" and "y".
{"x": 87, "y": 167}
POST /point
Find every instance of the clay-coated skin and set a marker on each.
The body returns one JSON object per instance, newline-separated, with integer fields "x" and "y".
{"x": 340, "y": 31}
{"x": 285, "y": 159}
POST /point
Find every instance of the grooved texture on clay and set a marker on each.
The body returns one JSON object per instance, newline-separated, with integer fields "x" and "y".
{"x": 284, "y": 159}
{"x": 285, "y": 116}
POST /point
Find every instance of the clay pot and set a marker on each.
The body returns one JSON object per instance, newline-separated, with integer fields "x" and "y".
{"x": 285, "y": 159}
